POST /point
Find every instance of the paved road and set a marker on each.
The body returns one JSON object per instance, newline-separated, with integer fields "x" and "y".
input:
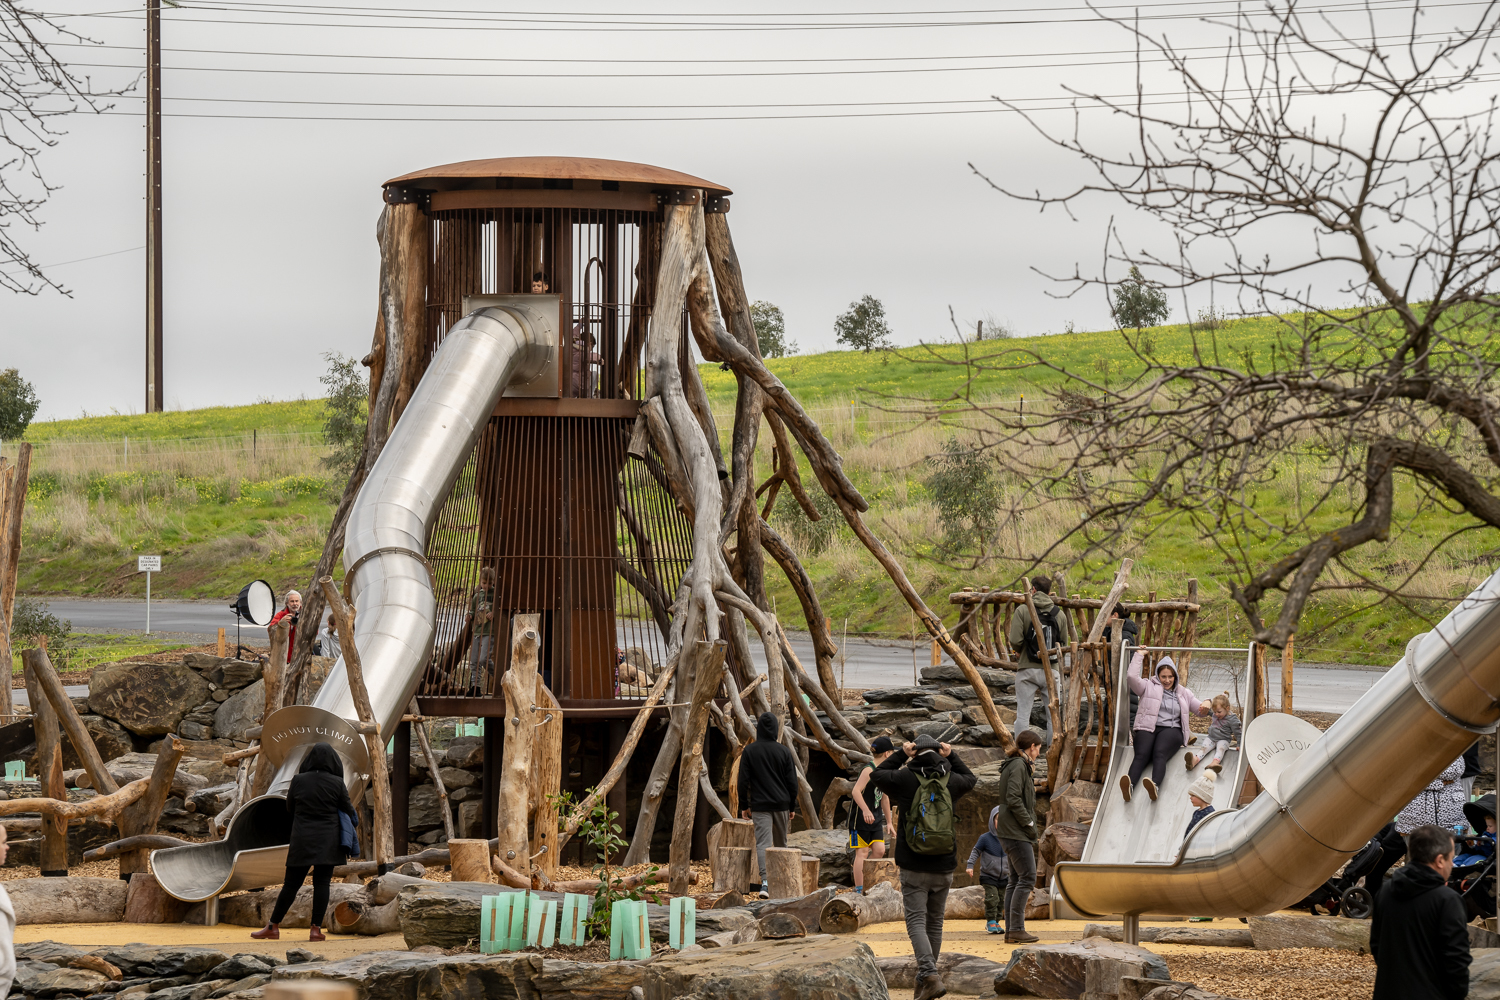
{"x": 870, "y": 664}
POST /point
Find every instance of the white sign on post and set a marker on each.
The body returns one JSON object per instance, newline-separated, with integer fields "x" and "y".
{"x": 148, "y": 565}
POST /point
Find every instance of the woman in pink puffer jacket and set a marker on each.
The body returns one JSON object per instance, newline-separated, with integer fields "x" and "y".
{"x": 1161, "y": 721}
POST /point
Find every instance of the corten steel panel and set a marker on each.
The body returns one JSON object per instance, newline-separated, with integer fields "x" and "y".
{"x": 576, "y": 168}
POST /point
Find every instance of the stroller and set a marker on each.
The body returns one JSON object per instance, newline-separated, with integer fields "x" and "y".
{"x": 1342, "y": 893}
{"x": 1473, "y": 876}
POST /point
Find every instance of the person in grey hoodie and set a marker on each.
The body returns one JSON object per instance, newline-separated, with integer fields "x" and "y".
{"x": 994, "y": 870}
{"x": 1031, "y": 681}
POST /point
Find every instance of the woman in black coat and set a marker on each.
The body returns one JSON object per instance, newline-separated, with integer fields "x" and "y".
{"x": 314, "y": 800}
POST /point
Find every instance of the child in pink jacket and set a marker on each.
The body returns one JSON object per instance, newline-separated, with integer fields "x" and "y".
{"x": 1161, "y": 722}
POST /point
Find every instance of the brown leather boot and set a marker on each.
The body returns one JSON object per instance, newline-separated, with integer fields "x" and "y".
{"x": 1020, "y": 937}
{"x": 270, "y": 932}
{"x": 316, "y": 934}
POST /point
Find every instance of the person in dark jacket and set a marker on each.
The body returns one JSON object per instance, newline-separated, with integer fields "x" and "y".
{"x": 925, "y": 878}
{"x": 1016, "y": 828}
{"x": 768, "y": 790}
{"x": 1417, "y": 934}
{"x": 316, "y": 797}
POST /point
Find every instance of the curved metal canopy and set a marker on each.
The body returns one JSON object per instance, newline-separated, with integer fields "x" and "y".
{"x": 576, "y": 168}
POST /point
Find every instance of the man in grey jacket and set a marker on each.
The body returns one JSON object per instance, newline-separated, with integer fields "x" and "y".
{"x": 1031, "y": 682}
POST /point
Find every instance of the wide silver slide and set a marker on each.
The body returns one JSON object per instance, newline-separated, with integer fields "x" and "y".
{"x": 1343, "y": 788}
{"x": 388, "y": 581}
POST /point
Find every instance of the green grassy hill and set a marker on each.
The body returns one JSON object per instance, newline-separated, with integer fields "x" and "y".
{"x": 230, "y": 494}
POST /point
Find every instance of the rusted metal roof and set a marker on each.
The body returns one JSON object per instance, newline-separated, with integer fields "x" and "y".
{"x": 576, "y": 168}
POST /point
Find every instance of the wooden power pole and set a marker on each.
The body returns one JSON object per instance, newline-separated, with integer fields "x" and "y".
{"x": 153, "y": 208}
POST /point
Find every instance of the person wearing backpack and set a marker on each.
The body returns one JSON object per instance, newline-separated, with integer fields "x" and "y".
{"x": 1028, "y": 642}
{"x": 1016, "y": 827}
{"x": 925, "y": 778}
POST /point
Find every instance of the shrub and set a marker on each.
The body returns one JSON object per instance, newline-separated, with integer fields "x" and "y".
{"x": 967, "y": 493}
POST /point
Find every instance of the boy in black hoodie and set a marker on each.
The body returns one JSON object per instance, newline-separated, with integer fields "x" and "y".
{"x": 925, "y": 878}
{"x": 768, "y": 790}
{"x": 1417, "y": 935}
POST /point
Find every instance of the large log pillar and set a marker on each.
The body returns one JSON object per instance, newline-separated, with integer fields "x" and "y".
{"x": 494, "y": 742}
{"x": 54, "y": 859}
{"x": 619, "y": 797}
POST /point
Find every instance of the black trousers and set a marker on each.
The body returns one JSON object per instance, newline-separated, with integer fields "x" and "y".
{"x": 295, "y": 876}
{"x": 1155, "y": 748}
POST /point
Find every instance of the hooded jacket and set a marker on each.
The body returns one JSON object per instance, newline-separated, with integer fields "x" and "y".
{"x": 768, "y": 771}
{"x": 1022, "y": 618}
{"x": 994, "y": 869}
{"x": 1017, "y": 819}
{"x": 1418, "y": 938}
{"x": 901, "y": 784}
{"x": 1152, "y": 693}
{"x": 1440, "y": 803}
{"x": 314, "y": 800}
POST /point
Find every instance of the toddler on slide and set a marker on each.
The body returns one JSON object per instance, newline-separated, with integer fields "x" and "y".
{"x": 1222, "y": 731}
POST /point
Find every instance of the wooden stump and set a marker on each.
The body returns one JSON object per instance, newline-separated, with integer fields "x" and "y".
{"x": 809, "y": 875}
{"x": 881, "y": 870}
{"x": 471, "y": 860}
{"x": 733, "y": 867}
{"x": 777, "y": 926}
{"x": 146, "y": 902}
{"x": 784, "y": 872}
{"x": 848, "y": 913}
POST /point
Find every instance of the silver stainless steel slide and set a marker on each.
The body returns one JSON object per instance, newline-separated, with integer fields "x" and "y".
{"x": 1342, "y": 789}
{"x": 495, "y": 346}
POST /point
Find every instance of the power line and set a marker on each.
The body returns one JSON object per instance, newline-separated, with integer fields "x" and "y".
{"x": 595, "y": 24}
{"x": 76, "y": 260}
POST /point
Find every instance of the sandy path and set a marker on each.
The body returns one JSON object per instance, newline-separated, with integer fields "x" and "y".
{"x": 228, "y": 938}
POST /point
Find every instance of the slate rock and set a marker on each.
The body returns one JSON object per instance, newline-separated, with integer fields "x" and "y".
{"x": 961, "y": 973}
{"x": 201, "y": 662}
{"x": 466, "y": 752}
{"x": 405, "y": 975}
{"x": 241, "y": 711}
{"x": 816, "y": 967}
{"x": 150, "y": 960}
{"x": 57, "y": 982}
{"x": 424, "y": 808}
{"x": 242, "y": 965}
{"x": 110, "y": 739}
{"x": 1274, "y": 932}
{"x": 51, "y": 952}
{"x": 297, "y": 956}
{"x": 455, "y": 778}
{"x": 149, "y": 699}
{"x": 196, "y": 731}
{"x": 1215, "y": 937}
{"x": 236, "y": 674}
{"x": 1059, "y": 970}
{"x": 879, "y": 719}
{"x": 899, "y": 697}
{"x": 831, "y": 848}
{"x": 947, "y": 673}
{"x": 1484, "y": 975}
{"x": 241, "y": 986}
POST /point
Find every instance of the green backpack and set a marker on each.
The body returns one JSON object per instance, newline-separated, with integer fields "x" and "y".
{"x": 929, "y": 823}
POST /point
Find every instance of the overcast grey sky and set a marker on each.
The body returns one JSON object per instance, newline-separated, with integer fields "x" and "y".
{"x": 269, "y": 220}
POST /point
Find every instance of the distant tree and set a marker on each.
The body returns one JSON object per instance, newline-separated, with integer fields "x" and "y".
{"x": 770, "y": 330}
{"x": 344, "y": 424}
{"x": 864, "y": 327}
{"x": 18, "y": 403}
{"x": 31, "y": 621}
{"x": 1139, "y": 303}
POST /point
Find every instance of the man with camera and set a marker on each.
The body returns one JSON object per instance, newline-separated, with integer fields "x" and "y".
{"x": 291, "y": 611}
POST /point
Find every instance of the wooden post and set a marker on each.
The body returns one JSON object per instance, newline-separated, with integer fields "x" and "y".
{"x": 470, "y": 860}
{"x": 54, "y": 859}
{"x": 1190, "y": 633}
{"x": 1053, "y": 708}
{"x": 784, "y": 872}
{"x": 1261, "y": 703}
{"x": 46, "y": 678}
{"x": 1286, "y": 676}
{"x": 401, "y": 788}
{"x": 546, "y": 774}
{"x": 221, "y": 651}
{"x": 10, "y": 558}
{"x": 618, "y": 796}
{"x": 1066, "y": 753}
{"x": 434, "y": 770}
{"x": 878, "y": 870}
{"x": 273, "y": 673}
{"x": 519, "y": 685}
{"x": 140, "y": 817}
{"x": 809, "y": 875}
{"x": 710, "y": 669}
{"x": 937, "y": 653}
{"x": 380, "y": 778}
{"x": 732, "y": 866}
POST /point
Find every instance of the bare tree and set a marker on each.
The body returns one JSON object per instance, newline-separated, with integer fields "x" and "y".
{"x": 1308, "y": 163}
{"x": 36, "y": 89}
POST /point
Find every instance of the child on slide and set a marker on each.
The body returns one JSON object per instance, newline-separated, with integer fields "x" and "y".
{"x": 1223, "y": 731}
{"x": 1201, "y": 795}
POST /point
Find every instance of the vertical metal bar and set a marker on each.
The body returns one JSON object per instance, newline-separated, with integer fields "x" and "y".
{"x": 153, "y": 209}
{"x": 401, "y": 785}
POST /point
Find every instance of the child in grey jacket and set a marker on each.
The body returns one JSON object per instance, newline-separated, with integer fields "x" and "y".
{"x": 1223, "y": 731}
{"x": 994, "y": 871}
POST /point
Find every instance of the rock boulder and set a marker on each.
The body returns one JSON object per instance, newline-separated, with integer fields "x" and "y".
{"x": 817, "y": 967}
{"x": 961, "y": 973}
{"x": 74, "y": 899}
{"x": 1061, "y": 970}
{"x": 831, "y": 848}
{"x": 240, "y": 711}
{"x": 149, "y": 699}
{"x": 1276, "y": 931}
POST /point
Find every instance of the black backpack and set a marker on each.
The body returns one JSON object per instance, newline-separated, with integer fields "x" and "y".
{"x": 1052, "y": 629}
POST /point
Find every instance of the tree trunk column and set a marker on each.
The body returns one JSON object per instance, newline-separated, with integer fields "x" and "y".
{"x": 618, "y": 798}
{"x": 401, "y": 787}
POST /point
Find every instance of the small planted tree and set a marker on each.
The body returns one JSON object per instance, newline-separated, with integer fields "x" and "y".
{"x": 770, "y": 330}
{"x": 344, "y": 420}
{"x": 603, "y": 833}
{"x": 1138, "y": 303}
{"x": 967, "y": 493}
{"x": 18, "y": 403}
{"x": 863, "y": 327}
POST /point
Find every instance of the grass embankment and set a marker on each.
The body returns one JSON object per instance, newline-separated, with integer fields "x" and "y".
{"x": 237, "y": 493}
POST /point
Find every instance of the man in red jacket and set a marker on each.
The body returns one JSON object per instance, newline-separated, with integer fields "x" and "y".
{"x": 293, "y": 608}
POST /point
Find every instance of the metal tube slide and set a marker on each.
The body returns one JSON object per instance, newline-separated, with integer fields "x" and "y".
{"x": 389, "y": 582}
{"x": 1411, "y": 725}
